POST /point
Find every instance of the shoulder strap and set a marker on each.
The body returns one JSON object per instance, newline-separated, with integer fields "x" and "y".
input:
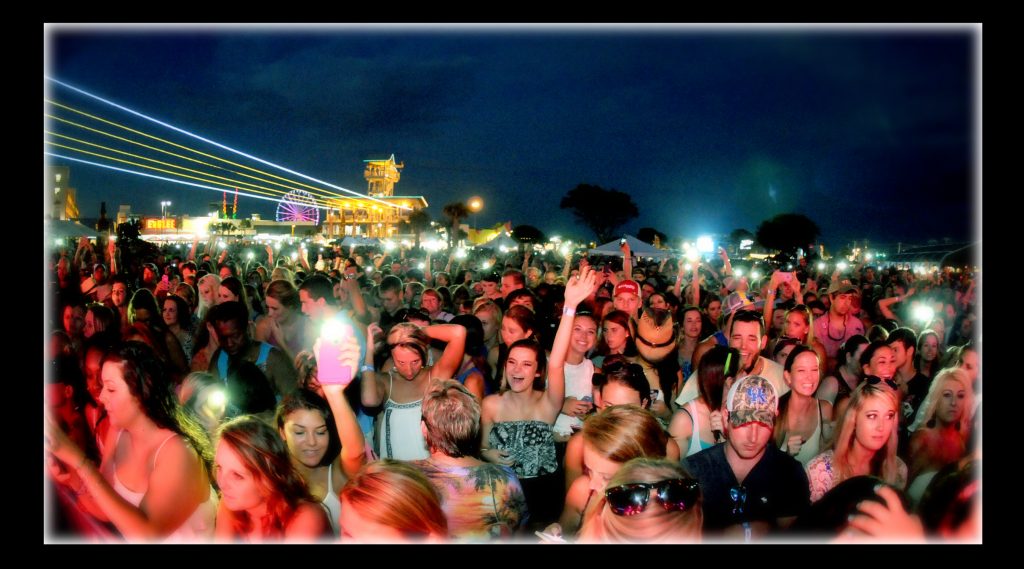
{"x": 161, "y": 447}
{"x": 222, "y": 365}
{"x": 264, "y": 353}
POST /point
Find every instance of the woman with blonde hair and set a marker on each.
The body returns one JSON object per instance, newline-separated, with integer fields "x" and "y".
{"x": 389, "y": 501}
{"x": 398, "y": 433}
{"x": 208, "y": 287}
{"x": 942, "y": 428}
{"x": 865, "y": 441}
{"x": 263, "y": 496}
{"x": 610, "y": 439}
{"x": 647, "y": 501}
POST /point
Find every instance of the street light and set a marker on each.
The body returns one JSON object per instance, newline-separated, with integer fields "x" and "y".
{"x": 475, "y": 204}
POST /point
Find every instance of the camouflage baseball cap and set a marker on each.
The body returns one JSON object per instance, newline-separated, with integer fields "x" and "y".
{"x": 752, "y": 399}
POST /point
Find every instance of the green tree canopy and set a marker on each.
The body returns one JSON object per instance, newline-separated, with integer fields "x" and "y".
{"x": 603, "y": 211}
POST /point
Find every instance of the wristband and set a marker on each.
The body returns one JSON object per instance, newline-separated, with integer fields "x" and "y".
{"x": 568, "y": 311}
{"x": 367, "y": 367}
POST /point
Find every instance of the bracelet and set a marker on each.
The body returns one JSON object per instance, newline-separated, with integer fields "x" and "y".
{"x": 483, "y": 449}
{"x": 568, "y": 311}
{"x": 367, "y": 367}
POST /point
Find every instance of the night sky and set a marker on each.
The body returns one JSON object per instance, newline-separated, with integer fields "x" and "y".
{"x": 868, "y": 132}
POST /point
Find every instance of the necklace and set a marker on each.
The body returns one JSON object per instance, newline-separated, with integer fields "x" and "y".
{"x": 828, "y": 328}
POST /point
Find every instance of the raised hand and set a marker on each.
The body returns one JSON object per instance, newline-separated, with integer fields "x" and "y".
{"x": 580, "y": 287}
{"x": 889, "y": 521}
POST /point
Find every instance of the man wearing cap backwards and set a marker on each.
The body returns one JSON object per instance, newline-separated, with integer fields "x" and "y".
{"x": 839, "y": 324}
{"x": 750, "y": 487}
{"x": 746, "y": 334}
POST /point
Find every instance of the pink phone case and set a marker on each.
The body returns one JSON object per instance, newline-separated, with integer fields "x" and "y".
{"x": 329, "y": 369}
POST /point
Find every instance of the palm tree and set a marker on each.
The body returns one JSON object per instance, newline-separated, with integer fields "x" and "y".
{"x": 418, "y": 221}
{"x": 456, "y": 212}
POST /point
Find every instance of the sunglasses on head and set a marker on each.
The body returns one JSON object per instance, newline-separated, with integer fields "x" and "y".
{"x": 875, "y": 380}
{"x": 631, "y": 499}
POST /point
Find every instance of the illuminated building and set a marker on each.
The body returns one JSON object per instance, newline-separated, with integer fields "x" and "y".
{"x": 381, "y": 213}
{"x": 58, "y": 182}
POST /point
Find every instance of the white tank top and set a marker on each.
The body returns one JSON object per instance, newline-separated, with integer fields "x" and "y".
{"x": 399, "y": 435}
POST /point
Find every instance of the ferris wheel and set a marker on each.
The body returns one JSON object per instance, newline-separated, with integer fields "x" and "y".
{"x": 298, "y": 205}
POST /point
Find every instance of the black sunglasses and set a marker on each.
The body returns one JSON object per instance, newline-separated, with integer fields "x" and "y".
{"x": 631, "y": 499}
{"x": 875, "y": 380}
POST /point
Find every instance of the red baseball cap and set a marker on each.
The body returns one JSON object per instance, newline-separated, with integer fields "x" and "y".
{"x": 627, "y": 287}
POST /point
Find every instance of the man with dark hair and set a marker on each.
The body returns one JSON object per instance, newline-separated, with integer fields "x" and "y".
{"x": 746, "y": 334}
{"x": 750, "y": 487}
{"x": 96, "y": 287}
{"x": 316, "y": 295}
{"x": 230, "y": 321}
{"x": 390, "y": 292}
{"x": 412, "y": 294}
{"x": 839, "y": 323}
{"x": 511, "y": 280}
{"x": 227, "y": 269}
{"x": 913, "y": 385}
{"x": 188, "y": 272}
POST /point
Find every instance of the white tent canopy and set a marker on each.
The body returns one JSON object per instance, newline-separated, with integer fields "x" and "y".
{"x": 636, "y": 246}
{"x": 502, "y": 240}
{"x": 57, "y": 228}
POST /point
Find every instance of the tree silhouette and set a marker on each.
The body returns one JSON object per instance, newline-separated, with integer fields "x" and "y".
{"x": 603, "y": 211}
{"x": 455, "y": 212}
{"x": 787, "y": 232}
{"x": 648, "y": 235}
{"x": 527, "y": 234}
{"x": 418, "y": 222}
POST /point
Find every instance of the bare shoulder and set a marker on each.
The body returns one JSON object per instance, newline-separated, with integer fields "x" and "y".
{"x": 309, "y": 522}
{"x": 490, "y": 405}
{"x": 576, "y": 498}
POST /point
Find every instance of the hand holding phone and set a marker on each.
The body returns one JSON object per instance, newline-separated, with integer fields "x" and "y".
{"x": 330, "y": 370}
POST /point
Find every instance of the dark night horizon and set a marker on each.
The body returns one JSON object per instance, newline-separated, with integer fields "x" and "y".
{"x": 869, "y": 132}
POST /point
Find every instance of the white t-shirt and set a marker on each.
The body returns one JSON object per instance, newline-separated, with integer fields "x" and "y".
{"x": 769, "y": 370}
{"x": 579, "y": 384}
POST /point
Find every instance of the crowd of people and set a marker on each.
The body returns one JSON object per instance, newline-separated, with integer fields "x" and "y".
{"x": 377, "y": 396}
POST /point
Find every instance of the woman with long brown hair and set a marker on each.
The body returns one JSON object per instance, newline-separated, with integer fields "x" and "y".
{"x": 263, "y": 497}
